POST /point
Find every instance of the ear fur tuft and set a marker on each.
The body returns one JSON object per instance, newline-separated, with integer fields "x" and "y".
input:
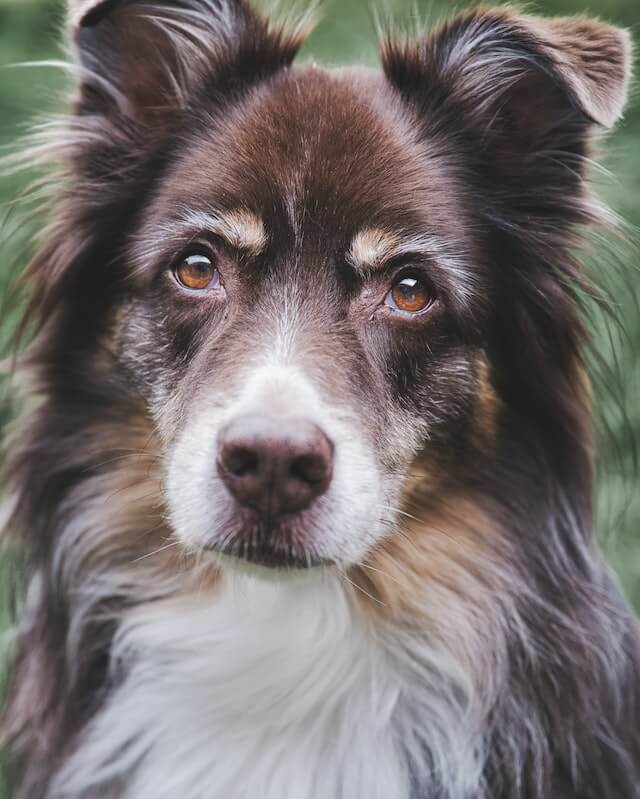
{"x": 490, "y": 61}
{"x": 595, "y": 60}
{"x": 146, "y": 57}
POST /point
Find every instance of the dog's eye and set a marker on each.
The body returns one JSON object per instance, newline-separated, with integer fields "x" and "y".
{"x": 409, "y": 295}
{"x": 197, "y": 272}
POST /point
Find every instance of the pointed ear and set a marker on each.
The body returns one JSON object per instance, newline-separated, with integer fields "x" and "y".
{"x": 143, "y": 58}
{"x": 519, "y": 76}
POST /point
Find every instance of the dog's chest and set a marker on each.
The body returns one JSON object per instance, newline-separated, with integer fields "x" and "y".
{"x": 267, "y": 692}
{"x": 274, "y": 691}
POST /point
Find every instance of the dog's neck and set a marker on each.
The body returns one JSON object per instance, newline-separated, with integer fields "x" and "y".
{"x": 276, "y": 689}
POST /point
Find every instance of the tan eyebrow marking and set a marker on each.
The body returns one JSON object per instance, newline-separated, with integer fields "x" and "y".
{"x": 371, "y": 247}
{"x": 240, "y": 228}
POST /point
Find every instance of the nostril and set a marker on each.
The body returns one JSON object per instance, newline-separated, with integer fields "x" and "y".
{"x": 240, "y": 461}
{"x": 310, "y": 468}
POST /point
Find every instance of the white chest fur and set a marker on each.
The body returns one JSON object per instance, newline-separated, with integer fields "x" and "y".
{"x": 267, "y": 691}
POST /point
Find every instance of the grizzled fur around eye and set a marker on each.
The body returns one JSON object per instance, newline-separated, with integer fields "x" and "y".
{"x": 432, "y": 619}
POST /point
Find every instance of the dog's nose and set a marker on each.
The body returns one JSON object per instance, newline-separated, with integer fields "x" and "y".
{"x": 274, "y": 465}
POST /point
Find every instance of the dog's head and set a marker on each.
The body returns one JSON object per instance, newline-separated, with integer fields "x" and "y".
{"x": 328, "y": 288}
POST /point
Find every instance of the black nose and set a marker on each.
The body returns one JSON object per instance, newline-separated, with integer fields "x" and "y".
{"x": 274, "y": 465}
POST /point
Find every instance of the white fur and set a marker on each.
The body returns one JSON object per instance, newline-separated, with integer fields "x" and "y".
{"x": 275, "y": 690}
{"x": 341, "y": 526}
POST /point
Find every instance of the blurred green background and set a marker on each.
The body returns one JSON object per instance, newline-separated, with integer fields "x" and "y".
{"x": 29, "y": 31}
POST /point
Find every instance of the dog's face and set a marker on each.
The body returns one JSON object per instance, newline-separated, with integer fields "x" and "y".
{"x": 316, "y": 315}
{"x": 303, "y": 275}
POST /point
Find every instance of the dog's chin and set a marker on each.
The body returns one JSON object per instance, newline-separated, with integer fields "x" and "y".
{"x": 239, "y": 565}
{"x": 266, "y": 560}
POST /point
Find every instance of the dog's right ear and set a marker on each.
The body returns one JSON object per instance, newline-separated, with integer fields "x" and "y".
{"x": 145, "y": 59}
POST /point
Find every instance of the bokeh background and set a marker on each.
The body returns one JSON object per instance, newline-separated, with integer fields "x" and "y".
{"x": 30, "y": 31}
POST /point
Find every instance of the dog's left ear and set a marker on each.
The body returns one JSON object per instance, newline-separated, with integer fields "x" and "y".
{"x": 144, "y": 58}
{"x": 512, "y": 102}
{"x": 516, "y": 79}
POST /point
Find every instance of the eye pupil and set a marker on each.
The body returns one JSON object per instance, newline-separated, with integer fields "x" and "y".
{"x": 410, "y": 295}
{"x": 196, "y": 272}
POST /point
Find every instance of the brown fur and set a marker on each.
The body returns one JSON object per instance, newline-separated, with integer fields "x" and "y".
{"x": 472, "y": 146}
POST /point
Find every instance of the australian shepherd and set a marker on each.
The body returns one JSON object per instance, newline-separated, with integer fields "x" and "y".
{"x": 302, "y": 483}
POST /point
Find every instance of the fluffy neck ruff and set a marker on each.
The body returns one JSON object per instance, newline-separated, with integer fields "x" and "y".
{"x": 278, "y": 690}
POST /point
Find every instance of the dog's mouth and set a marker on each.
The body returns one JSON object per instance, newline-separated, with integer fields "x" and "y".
{"x": 269, "y": 555}
{"x": 279, "y": 544}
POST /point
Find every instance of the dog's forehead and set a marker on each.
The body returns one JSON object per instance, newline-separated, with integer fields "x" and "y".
{"x": 332, "y": 150}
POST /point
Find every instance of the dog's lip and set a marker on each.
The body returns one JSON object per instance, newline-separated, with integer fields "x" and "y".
{"x": 265, "y": 554}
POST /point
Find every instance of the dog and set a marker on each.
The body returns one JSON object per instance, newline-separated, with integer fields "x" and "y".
{"x": 303, "y": 478}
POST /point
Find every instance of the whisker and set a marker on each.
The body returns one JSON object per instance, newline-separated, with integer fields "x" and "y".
{"x": 132, "y": 454}
{"x": 420, "y": 521}
{"x": 409, "y": 541}
{"x": 379, "y": 571}
{"x": 136, "y": 484}
{"x": 360, "y": 588}
{"x": 156, "y": 551}
{"x": 403, "y": 513}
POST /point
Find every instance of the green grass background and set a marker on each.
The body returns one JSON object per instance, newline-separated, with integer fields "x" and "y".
{"x": 29, "y": 31}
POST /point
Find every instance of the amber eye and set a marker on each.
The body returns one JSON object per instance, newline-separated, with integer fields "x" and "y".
{"x": 197, "y": 272}
{"x": 409, "y": 295}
